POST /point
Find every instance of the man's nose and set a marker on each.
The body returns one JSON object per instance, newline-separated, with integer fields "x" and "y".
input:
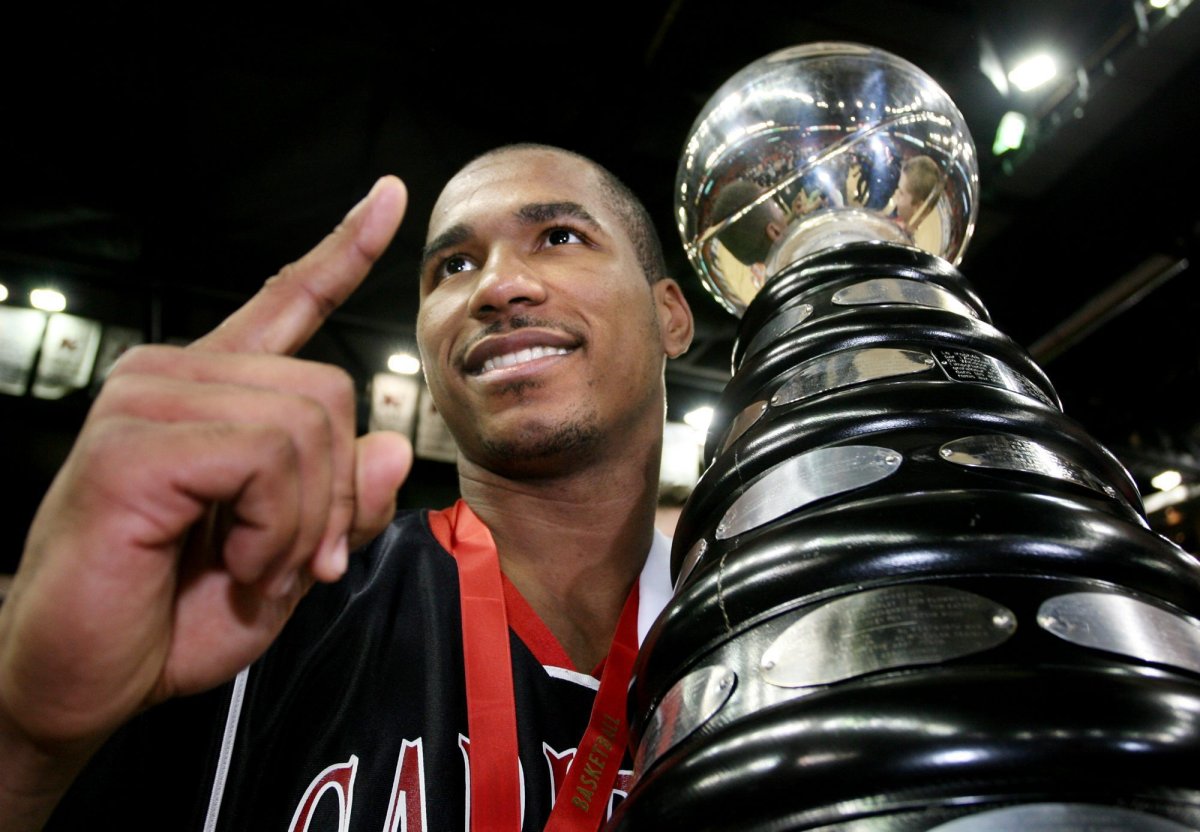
{"x": 506, "y": 280}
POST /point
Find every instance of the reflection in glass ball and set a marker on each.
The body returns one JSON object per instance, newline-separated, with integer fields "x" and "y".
{"x": 817, "y": 146}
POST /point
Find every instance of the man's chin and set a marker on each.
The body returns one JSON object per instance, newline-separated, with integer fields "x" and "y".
{"x": 544, "y": 452}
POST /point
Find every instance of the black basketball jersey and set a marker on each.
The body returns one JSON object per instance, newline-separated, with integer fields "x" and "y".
{"x": 354, "y": 719}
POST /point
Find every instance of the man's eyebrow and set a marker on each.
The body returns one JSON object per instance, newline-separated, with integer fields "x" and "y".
{"x": 452, "y": 236}
{"x": 532, "y": 213}
{"x": 539, "y": 212}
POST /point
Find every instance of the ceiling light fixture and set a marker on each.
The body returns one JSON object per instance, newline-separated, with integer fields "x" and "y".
{"x": 1033, "y": 72}
{"x": 404, "y": 363}
{"x": 1167, "y": 480}
{"x": 48, "y": 300}
{"x": 1009, "y": 133}
{"x": 700, "y": 418}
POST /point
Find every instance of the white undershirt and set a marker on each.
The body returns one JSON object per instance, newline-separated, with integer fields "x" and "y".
{"x": 654, "y": 586}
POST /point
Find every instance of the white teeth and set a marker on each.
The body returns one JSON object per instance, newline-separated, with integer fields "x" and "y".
{"x": 512, "y": 359}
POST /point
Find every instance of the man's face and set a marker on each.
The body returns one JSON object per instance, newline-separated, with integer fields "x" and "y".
{"x": 539, "y": 333}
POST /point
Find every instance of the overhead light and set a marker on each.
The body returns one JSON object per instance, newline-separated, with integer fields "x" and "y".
{"x": 3, "y": 293}
{"x": 404, "y": 363}
{"x": 1033, "y": 72}
{"x": 48, "y": 300}
{"x": 1009, "y": 133}
{"x": 991, "y": 65}
{"x": 700, "y": 418}
{"x": 681, "y": 460}
{"x": 1167, "y": 480}
{"x": 1159, "y": 4}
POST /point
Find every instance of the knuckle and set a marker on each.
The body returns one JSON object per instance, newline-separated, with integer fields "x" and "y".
{"x": 144, "y": 358}
{"x": 312, "y": 420}
{"x": 331, "y": 388}
{"x": 290, "y": 283}
{"x": 338, "y": 386}
{"x": 277, "y": 446}
{"x": 118, "y": 394}
{"x": 113, "y": 440}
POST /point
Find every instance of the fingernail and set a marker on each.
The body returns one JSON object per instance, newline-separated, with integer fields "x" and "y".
{"x": 340, "y": 556}
{"x": 362, "y": 202}
{"x": 282, "y": 586}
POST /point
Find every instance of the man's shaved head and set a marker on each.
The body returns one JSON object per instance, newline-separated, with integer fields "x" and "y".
{"x": 624, "y": 203}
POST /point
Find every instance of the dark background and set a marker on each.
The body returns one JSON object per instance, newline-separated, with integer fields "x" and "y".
{"x": 159, "y": 161}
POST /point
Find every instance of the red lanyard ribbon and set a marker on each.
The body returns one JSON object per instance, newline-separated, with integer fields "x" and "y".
{"x": 582, "y": 799}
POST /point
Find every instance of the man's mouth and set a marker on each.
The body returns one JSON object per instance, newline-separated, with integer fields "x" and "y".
{"x": 512, "y": 359}
{"x": 496, "y": 353}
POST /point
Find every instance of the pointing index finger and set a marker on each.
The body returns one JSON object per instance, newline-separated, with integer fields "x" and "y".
{"x": 293, "y": 304}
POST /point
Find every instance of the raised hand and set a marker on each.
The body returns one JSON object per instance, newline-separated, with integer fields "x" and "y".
{"x": 209, "y": 486}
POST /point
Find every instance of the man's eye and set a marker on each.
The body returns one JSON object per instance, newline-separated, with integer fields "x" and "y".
{"x": 562, "y": 236}
{"x": 454, "y": 265}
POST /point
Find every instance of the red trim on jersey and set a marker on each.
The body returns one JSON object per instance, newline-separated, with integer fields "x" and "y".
{"x": 530, "y": 628}
{"x": 522, "y": 618}
{"x": 582, "y": 800}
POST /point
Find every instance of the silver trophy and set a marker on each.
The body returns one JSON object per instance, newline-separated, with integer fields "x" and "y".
{"x": 911, "y": 594}
{"x": 816, "y": 146}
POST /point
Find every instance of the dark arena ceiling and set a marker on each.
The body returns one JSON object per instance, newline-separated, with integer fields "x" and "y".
{"x": 160, "y": 161}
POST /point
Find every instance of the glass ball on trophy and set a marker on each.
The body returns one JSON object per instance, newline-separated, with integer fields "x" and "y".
{"x": 816, "y": 146}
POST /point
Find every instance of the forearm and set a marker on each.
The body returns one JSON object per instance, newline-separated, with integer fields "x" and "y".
{"x": 32, "y": 778}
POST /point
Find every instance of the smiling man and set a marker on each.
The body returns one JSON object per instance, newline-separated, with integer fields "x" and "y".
{"x": 545, "y": 319}
{"x": 467, "y": 663}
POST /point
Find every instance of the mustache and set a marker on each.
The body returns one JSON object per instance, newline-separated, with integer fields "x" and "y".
{"x": 519, "y": 322}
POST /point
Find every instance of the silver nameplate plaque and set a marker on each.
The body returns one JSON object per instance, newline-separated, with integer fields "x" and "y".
{"x": 806, "y": 478}
{"x": 691, "y": 702}
{"x": 742, "y": 422}
{"x": 848, "y": 367}
{"x": 977, "y": 368}
{"x": 901, "y": 290}
{"x": 1120, "y": 624}
{"x": 1062, "y": 817}
{"x": 882, "y": 629}
{"x": 690, "y": 560}
{"x": 1015, "y": 453}
{"x": 784, "y": 322}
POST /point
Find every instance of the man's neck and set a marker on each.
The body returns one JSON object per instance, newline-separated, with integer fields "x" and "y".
{"x": 573, "y": 546}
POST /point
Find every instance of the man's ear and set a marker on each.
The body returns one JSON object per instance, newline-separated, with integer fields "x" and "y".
{"x": 674, "y": 317}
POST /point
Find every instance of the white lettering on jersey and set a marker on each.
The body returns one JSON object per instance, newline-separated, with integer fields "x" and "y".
{"x": 406, "y": 805}
{"x": 558, "y": 763}
{"x": 340, "y": 779}
{"x": 620, "y": 789}
{"x": 464, "y": 745}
